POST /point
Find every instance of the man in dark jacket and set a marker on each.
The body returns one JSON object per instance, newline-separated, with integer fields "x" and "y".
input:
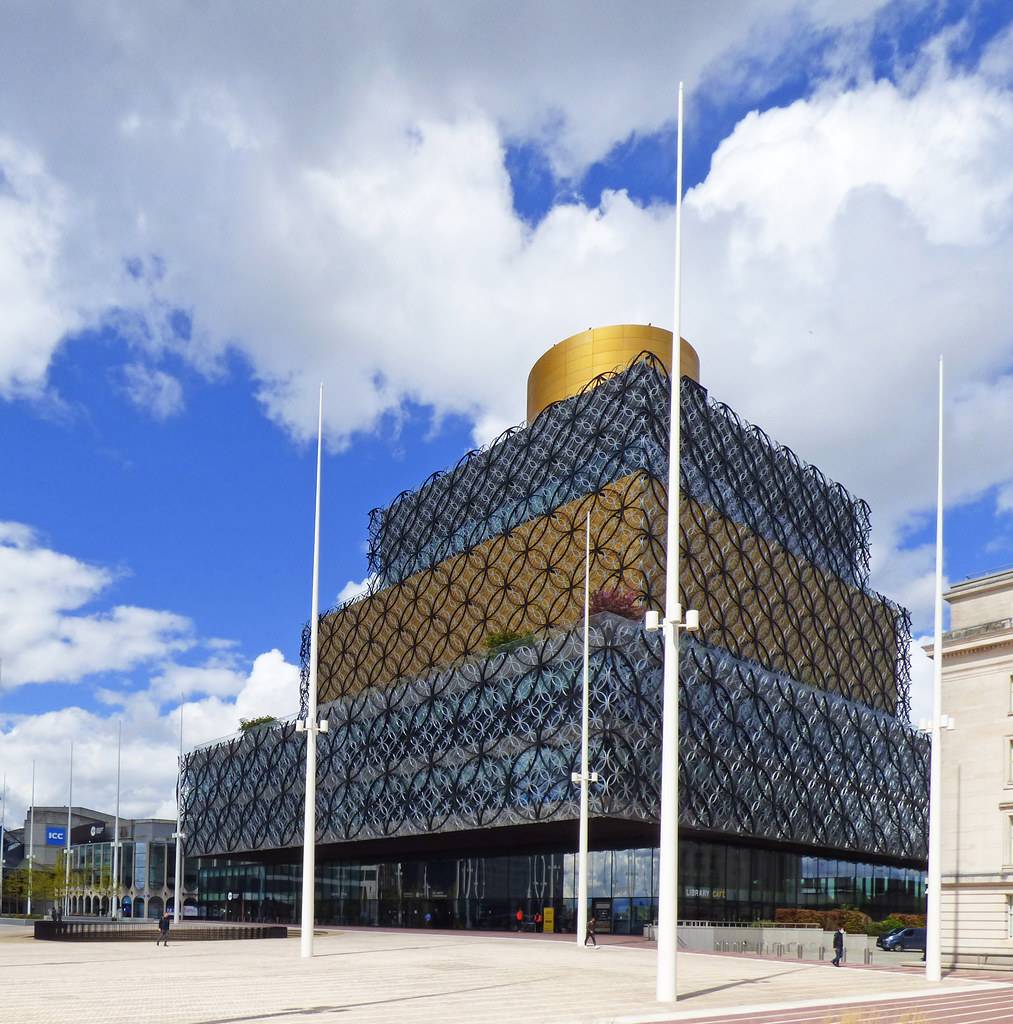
{"x": 163, "y": 929}
{"x": 838, "y": 946}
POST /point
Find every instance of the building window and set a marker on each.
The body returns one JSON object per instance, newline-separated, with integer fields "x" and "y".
{"x": 1009, "y": 762}
{"x": 1009, "y": 917}
{"x": 1010, "y": 694}
{"x": 1008, "y": 852}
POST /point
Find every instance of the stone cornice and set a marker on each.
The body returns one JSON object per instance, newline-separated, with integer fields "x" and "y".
{"x": 974, "y": 644}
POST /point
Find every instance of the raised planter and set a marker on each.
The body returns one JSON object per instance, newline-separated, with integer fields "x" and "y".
{"x": 147, "y": 931}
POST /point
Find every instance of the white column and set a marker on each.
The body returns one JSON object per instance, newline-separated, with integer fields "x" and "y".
{"x": 177, "y": 893}
{"x": 114, "y": 908}
{"x": 933, "y": 922}
{"x": 668, "y": 867}
{"x": 309, "y": 833}
{"x": 584, "y": 744}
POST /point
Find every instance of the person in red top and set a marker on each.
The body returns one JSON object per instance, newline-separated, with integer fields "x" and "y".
{"x": 520, "y": 918}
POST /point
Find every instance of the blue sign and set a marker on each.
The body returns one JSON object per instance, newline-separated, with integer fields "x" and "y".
{"x": 56, "y": 835}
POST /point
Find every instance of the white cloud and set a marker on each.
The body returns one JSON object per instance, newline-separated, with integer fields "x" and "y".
{"x": 1004, "y": 499}
{"x": 155, "y": 392}
{"x": 921, "y": 680}
{"x": 836, "y": 248}
{"x": 150, "y": 742}
{"x": 36, "y": 310}
{"x": 360, "y": 204}
{"x": 907, "y": 575}
{"x": 336, "y": 205}
{"x": 46, "y": 633}
{"x": 215, "y": 678}
{"x": 353, "y": 589}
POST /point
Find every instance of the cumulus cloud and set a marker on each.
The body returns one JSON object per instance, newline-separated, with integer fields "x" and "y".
{"x": 836, "y": 248}
{"x": 921, "y": 680}
{"x": 269, "y": 685}
{"x": 47, "y": 634}
{"x": 1004, "y": 499}
{"x": 155, "y": 392}
{"x": 358, "y": 198}
{"x": 38, "y": 312}
{"x": 353, "y": 589}
{"x": 327, "y": 192}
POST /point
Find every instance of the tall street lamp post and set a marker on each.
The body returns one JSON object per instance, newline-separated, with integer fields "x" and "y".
{"x": 311, "y": 727}
{"x": 933, "y": 917}
{"x": 115, "y": 907}
{"x": 66, "y": 856}
{"x": 584, "y": 776}
{"x": 177, "y": 892}
{"x": 668, "y": 867}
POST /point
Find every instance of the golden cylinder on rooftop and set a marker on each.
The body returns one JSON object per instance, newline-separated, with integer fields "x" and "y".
{"x": 567, "y": 366}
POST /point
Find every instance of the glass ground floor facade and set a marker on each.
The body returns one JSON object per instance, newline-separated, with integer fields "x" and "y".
{"x": 718, "y": 882}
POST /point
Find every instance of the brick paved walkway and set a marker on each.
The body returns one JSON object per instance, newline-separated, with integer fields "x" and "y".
{"x": 991, "y": 1006}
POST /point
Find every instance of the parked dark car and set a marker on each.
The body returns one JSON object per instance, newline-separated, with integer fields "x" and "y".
{"x": 886, "y": 935}
{"x": 906, "y": 938}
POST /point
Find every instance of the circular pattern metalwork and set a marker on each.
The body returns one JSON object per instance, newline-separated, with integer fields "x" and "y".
{"x": 493, "y": 742}
{"x": 794, "y": 692}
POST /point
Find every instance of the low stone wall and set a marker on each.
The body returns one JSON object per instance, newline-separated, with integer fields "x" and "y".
{"x": 107, "y": 931}
{"x": 793, "y": 942}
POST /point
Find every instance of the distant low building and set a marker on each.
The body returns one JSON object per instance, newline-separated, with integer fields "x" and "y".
{"x": 146, "y": 870}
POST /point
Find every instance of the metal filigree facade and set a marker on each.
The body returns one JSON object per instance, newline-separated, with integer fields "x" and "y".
{"x": 794, "y": 693}
{"x": 493, "y": 742}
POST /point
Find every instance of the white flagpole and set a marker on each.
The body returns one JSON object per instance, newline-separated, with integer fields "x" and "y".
{"x": 115, "y": 908}
{"x": 31, "y": 843}
{"x": 584, "y": 743}
{"x": 177, "y": 893}
{"x": 66, "y": 866}
{"x": 668, "y": 866}
{"x": 309, "y": 833}
{"x": 933, "y": 922}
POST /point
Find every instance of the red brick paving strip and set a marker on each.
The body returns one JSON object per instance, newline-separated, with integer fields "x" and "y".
{"x": 993, "y": 1007}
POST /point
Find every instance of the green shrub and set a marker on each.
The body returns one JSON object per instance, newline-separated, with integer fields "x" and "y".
{"x": 501, "y": 640}
{"x": 245, "y": 724}
{"x": 854, "y": 921}
{"x": 895, "y": 921}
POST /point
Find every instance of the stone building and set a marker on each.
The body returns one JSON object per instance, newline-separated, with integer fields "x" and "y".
{"x": 977, "y": 897}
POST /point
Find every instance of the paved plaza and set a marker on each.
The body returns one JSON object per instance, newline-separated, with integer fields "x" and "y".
{"x": 374, "y": 976}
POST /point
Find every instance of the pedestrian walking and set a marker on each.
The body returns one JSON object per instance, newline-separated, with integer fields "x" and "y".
{"x": 838, "y": 947}
{"x": 163, "y": 929}
{"x": 589, "y": 935}
{"x": 519, "y": 918}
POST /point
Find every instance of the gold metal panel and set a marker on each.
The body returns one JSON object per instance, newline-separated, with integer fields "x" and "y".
{"x": 528, "y": 580}
{"x": 562, "y": 371}
{"x": 756, "y": 600}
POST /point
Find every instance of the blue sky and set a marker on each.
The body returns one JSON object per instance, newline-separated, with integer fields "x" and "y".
{"x": 202, "y": 235}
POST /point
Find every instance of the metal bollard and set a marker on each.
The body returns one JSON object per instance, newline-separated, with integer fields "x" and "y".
{"x": 823, "y": 953}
